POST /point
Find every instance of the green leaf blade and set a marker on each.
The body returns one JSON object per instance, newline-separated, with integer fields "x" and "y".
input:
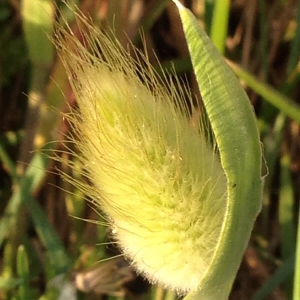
{"x": 233, "y": 122}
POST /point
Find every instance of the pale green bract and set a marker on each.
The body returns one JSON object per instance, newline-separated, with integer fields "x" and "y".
{"x": 234, "y": 126}
{"x": 180, "y": 211}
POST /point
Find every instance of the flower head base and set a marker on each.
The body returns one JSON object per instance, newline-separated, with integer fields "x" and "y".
{"x": 153, "y": 173}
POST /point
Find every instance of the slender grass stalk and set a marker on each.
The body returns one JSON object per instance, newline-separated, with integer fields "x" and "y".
{"x": 24, "y": 274}
{"x": 286, "y": 217}
{"x": 263, "y": 41}
{"x": 295, "y": 47}
{"x": 159, "y": 293}
{"x": 296, "y": 292}
{"x": 219, "y": 25}
{"x": 209, "y": 12}
{"x": 38, "y": 18}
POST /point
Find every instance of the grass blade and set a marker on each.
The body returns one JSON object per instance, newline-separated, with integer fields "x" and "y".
{"x": 296, "y": 293}
{"x": 28, "y": 183}
{"x": 55, "y": 250}
{"x": 23, "y": 272}
{"x": 281, "y": 102}
{"x": 234, "y": 126}
{"x": 277, "y": 278}
{"x": 286, "y": 216}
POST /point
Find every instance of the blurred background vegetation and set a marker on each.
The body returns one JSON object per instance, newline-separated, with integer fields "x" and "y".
{"x": 47, "y": 249}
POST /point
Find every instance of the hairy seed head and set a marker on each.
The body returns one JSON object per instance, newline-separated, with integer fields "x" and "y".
{"x": 153, "y": 174}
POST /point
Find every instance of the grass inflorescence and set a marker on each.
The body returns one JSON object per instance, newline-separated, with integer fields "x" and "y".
{"x": 152, "y": 172}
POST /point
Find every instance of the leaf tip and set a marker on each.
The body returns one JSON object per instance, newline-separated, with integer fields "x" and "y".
{"x": 178, "y": 4}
